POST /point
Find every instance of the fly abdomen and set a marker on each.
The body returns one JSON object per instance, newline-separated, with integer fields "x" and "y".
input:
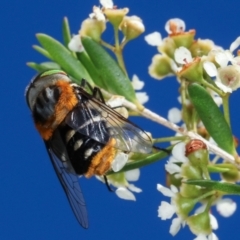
{"x": 80, "y": 148}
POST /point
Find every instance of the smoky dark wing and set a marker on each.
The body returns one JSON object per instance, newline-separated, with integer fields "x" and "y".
{"x": 95, "y": 119}
{"x": 71, "y": 186}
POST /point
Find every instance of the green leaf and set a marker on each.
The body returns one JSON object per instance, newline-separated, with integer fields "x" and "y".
{"x": 66, "y": 31}
{"x": 115, "y": 79}
{"x": 42, "y": 51}
{"x": 211, "y": 117}
{"x": 62, "y": 56}
{"x": 215, "y": 185}
{"x": 43, "y": 66}
{"x": 93, "y": 72}
{"x": 148, "y": 159}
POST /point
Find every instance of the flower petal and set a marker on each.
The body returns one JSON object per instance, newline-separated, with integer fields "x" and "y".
{"x": 165, "y": 191}
{"x": 75, "y": 44}
{"x": 136, "y": 83}
{"x": 210, "y": 68}
{"x": 142, "y": 97}
{"x": 174, "y": 115}
{"x": 172, "y": 168}
{"x": 175, "y": 226}
{"x": 133, "y": 188}
{"x": 166, "y": 210}
{"x": 201, "y": 237}
{"x": 178, "y": 152}
{"x": 154, "y": 39}
{"x": 226, "y": 207}
{"x": 212, "y": 236}
{"x": 178, "y": 23}
{"x": 132, "y": 175}
{"x": 106, "y": 3}
{"x": 119, "y": 161}
{"x": 223, "y": 87}
{"x": 182, "y": 55}
{"x": 235, "y": 44}
{"x": 213, "y": 222}
{"x": 125, "y": 194}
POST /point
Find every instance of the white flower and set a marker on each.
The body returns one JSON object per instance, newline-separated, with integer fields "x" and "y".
{"x": 154, "y": 39}
{"x": 230, "y": 76}
{"x": 75, "y": 44}
{"x": 174, "y": 115}
{"x": 175, "y": 25}
{"x": 226, "y": 207}
{"x": 182, "y": 55}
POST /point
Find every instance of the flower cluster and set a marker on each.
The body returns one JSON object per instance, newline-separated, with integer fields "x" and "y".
{"x": 197, "y": 63}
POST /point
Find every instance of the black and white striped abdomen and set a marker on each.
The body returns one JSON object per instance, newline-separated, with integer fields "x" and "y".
{"x": 81, "y": 148}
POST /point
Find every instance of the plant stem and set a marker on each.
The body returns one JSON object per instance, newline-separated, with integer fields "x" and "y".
{"x": 118, "y": 51}
{"x": 169, "y": 139}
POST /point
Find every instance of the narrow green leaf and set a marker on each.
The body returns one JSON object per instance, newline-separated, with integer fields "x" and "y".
{"x": 43, "y": 66}
{"x": 115, "y": 79}
{"x": 62, "y": 56}
{"x": 211, "y": 117}
{"x": 42, "y": 51}
{"x": 149, "y": 159}
{"x": 215, "y": 185}
{"x": 93, "y": 72}
{"x": 66, "y": 31}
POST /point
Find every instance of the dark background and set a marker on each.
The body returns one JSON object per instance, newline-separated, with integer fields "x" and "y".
{"x": 32, "y": 202}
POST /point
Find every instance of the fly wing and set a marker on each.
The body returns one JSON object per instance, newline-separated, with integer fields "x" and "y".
{"x": 69, "y": 181}
{"x": 100, "y": 122}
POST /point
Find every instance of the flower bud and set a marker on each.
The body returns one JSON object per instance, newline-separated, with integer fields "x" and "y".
{"x": 131, "y": 27}
{"x": 168, "y": 47}
{"x": 115, "y": 16}
{"x": 232, "y": 175}
{"x": 160, "y": 67}
{"x": 201, "y": 47}
{"x": 200, "y": 223}
{"x": 92, "y": 28}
